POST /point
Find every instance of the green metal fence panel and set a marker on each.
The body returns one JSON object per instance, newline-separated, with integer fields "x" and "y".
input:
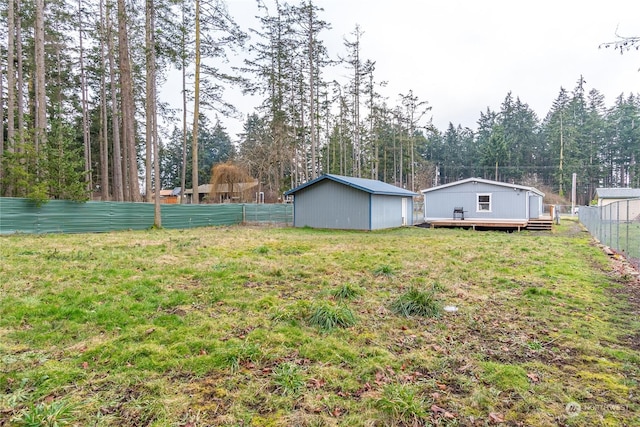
{"x": 18, "y": 215}
{"x": 59, "y": 216}
{"x": 187, "y": 216}
{"x": 269, "y": 213}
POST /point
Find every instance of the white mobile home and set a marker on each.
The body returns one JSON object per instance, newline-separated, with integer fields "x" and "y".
{"x": 483, "y": 201}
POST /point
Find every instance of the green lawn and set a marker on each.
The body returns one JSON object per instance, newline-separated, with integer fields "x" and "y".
{"x": 281, "y": 326}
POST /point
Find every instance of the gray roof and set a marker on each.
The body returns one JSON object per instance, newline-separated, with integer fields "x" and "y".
{"x": 371, "y": 186}
{"x": 485, "y": 181}
{"x": 618, "y": 193}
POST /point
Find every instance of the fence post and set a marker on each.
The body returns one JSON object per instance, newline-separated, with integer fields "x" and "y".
{"x": 610, "y": 225}
{"x": 628, "y": 225}
{"x": 617, "y": 247}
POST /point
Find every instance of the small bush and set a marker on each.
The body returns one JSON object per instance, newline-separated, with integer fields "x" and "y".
{"x": 402, "y": 405}
{"x": 329, "y": 316}
{"x": 416, "y": 303}
{"x": 288, "y": 379}
{"x": 346, "y": 291}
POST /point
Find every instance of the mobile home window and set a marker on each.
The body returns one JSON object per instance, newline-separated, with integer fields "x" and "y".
{"x": 484, "y": 202}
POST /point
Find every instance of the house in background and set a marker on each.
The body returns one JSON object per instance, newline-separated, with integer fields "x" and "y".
{"x": 477, "y": 202}
{"x": 237, "y": 193}
{"x": 170, "y": 196}
{"x": 611, "y": 195}
{"x": 342, "y": 202}
{"x": 620, "y": 204}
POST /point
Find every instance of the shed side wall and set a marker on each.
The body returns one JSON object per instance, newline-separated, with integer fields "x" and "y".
{"x": 386, "y": 211}
{"x": 506, "y": 203}
{"x": 328, "y": 204}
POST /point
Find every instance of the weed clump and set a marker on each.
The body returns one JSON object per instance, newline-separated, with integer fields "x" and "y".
{"x": 384, "y": 271}
{"x": 329, "y": 316}
{"x": 58, "y": 413}
{"x": 416, "y": 303}
{"x": 402, "y": 405}
{"x": 346, "y": 291}
{"x": 288, "y": 379}
{"x": 535, "y": 291}
{"x": 291, "y": 313}
{"x": 261, "y": 250}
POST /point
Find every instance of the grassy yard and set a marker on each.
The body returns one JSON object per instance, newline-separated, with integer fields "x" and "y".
{"x": 298, "y": 327}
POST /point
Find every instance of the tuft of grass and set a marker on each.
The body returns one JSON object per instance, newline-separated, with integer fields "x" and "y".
{"x": 347, "y": 291}
{"x": 505, "y": 377}
{"x": 288, "y": 379}
{"x": 329, "y": 316}
{"x": 384, "y": 271}
{"x": 402, "y": 404}
{"x": 438, "y": 287}
{"x": 262, "y": 250}
{"x": 535, "y": 345}
{"x": 54, "y": 414}
{"x": 291, "y": 313}
{"x": 415, "y": 302}
{"x": 535, "y": 291}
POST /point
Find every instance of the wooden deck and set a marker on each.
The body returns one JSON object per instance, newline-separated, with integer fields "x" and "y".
{"x": 543, "y": 223}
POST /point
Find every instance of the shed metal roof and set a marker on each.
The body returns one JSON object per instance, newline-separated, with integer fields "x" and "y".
{"x": 371, "y": 186}
{"x": 618, "y": 193}
{"x": 485, "y": 181}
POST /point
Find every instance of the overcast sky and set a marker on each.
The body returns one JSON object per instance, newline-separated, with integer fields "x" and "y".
{"x": 463, "y": 56}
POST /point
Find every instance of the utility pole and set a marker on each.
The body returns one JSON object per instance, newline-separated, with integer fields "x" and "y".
{"x": 561, "y": 157}
{"x": 573, "y": 193}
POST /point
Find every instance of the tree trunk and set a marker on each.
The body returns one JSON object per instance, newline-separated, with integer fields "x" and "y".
{"x": 20, "y": 86}
{"x": 149, "y": 102}
{"x": 11, "y": 87}
{"x": 312, "y": 94}
{"x": 183, "y": 176}
{"x": 104, "y": 124}
{"x": 40, "y": 101}
{"x": 118, "y": 185}
{"x": 152, "y": 122}
{"x": 356, "y": 107}
{"x": 11, "y": 77}
{"x": 196, "y": 112}
{"x": 85, "y": 112}
{"x": 128, "y": 107}
{"x": 1, "y": 123}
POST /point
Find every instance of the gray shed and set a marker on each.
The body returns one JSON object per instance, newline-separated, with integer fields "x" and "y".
{"x": 342, "y": 202}
{"x": 482, "y": 199}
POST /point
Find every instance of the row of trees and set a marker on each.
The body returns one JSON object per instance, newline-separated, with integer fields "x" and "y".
{"x": 579, "y": 134}
{"x": 81, "y": 114}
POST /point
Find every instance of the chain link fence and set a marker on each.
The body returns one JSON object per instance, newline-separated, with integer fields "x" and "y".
{"x": 616, "y": 225}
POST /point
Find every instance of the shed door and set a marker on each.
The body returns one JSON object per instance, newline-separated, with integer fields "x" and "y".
{"x": 405, "y": 211}
{"x": 534, "y": 207}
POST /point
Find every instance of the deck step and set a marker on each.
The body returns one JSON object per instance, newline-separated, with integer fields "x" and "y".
{"x": 540, "y": 224}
